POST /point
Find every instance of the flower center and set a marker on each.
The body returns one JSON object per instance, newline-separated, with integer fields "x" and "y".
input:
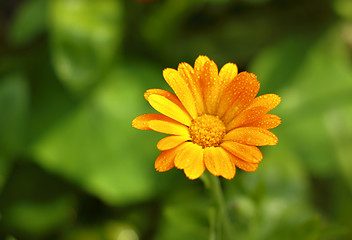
{"x": 207, "y": 131}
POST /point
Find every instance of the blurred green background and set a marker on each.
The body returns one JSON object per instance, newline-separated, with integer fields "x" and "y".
{"x": 72, "y": 78}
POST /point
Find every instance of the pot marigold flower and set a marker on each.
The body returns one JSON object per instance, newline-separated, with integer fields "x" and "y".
{"x": 215, "y": 119}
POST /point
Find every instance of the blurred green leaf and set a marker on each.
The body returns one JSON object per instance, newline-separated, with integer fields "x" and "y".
{"x": 338, "y": 123}
{"x": 38, "y": 218}
{"x": 316, "y": 78}
{"x": 34, "y": 203}
{"x": 271, "y": 200}
{"x": 185, "y": 215}
{"x": 162, "y": 24}
{"x": 343, "y": 8}
{"x": 4, "y": 170}
{"x": 85, "y": 36}
{"x": 14, "y": 101}
{"x": 30, "y": 21}
{"x": 96, "y": 146}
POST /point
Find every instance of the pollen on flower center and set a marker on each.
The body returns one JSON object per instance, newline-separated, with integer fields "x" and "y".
{"x": 207, "y": 131}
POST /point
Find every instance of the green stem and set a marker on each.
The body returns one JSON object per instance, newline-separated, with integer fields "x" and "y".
{"x": 223, "y": 225}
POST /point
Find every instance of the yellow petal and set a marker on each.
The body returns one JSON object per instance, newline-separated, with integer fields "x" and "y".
{"x": 196, "y": 167}
{"x": 227, "y": 74}
{"x": 165, "y": 160}
{"x": 141, "y": 122}
{"x": 172, "y": 97}
{"x": 180, "y": 87}
{"x": 246, "y": 166}
{"x": 200, "y": 62}
{"x": 187, "y": 73}
{"x": 171, "y": 141}
{"x": 169, "y": 108}
{"x": 251, "y": 136}
{"x": 246, "y": 117}
{"x": 211, "y": 86}
{"x": 268, "y": 121}
{"x": 270, "y": 101}
{"x": 168, "y": 127}
{"x": 218, "y": 163}
{"x": 188, "y": 154}
{"x": 245, "y": 97}
{"x": 247, "y": 153}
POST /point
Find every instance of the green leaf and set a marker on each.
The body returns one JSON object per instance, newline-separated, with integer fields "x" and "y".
{"x": 29, "y": 22}
{"x": 14, "y": 101}
{"x": 4, "y": 170}
{"x": 272, "y": 199}
{"x": 85, "y": 36}
{"x": 313, "y": 76}
{"x": 33, "y": 203}
{"x": 338, "y": 123}
{"x": 185, "y": 215}
{"x": 95, "y": 145}
{"x": 343, "y": 8}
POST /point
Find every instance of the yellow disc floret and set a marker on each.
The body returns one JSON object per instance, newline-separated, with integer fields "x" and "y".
{"x": 207, "y": 131}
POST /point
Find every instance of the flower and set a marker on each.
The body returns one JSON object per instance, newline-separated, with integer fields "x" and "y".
{"x": 215, "y": 119}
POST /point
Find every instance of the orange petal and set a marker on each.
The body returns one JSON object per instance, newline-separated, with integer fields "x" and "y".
{"x": 165, "y": 160}
{"x": 187, "y": 73}
{"x": 169, "y": 108}
{"x": 246, "y": 166}
{"x": 246, "y": 117}
{"x": 268, "y": 121}
{"x": 270, "y": 101}
{"x": 232, "y": 94}
{"x": 211, "y": 86}
{"x": 169, "y": 126}
{"x": 218, "y": 163}
{"x": 189, "y": 153}
{"x": 180, "y": 87}
{"x": 227, "y": 74}
{"x": 244, "y": 96}
{"x": 141, "y": 122}
{"x": 197, "y": 167}
{"x": 251, "y": 136}
{"x": 171, "y": 141}
{"x": 247, "y": 153}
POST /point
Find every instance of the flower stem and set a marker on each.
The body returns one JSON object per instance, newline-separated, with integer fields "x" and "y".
{"x": 223, "y": 225}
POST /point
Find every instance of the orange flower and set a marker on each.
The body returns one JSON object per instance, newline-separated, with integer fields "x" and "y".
{"x": 215, "y": 120}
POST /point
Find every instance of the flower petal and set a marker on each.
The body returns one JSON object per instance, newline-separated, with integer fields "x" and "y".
{"x": 165, "y": 160}
{"x": 246, "y": 166}
{"x": 218, "y": 163}
{"x": 197, "y": 167}
{"x": 188, "y": 74}
{"x": 169, "y": 126}
{"x": 270, "y": 101}
{"x": 169, "y": 108}
{"x": 199, "y": 63}
{"x": 171, "y": 141}
{"x": 181, "y": 89}
{"x": 189, "y": 153}
{"x": 141, "y": 122}
{"x": 211, "y": 86}
{"x": 246, "y": 87}
{"x": 172, "y": 97}
{"x": 230, "y": 94}
{"x": 246, "y": 117}
{"x": 227, "y": 74}
{"x": 251, "y": 136}
{"x": 268, "y": 121}
{"x": 247, "y": 153}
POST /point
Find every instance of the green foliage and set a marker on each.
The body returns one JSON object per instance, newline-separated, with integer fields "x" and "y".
{"x": 72, "y": 78}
